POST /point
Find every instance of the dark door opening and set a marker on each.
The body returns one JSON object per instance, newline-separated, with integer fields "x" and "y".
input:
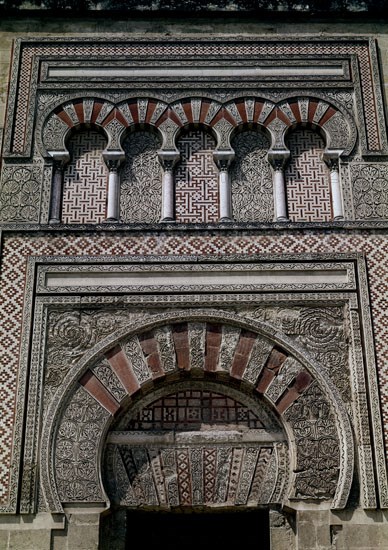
{"x": 248, "y": 529}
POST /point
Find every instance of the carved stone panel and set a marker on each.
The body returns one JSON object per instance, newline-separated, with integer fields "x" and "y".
{"x": 318, "y": 451}
{"x": 76, "y": 450}
{"x": 141, "y": 179}
{"x": 370, "y": 190}
{"x": 251, "y": 176}
{"x": 20, "y": 190}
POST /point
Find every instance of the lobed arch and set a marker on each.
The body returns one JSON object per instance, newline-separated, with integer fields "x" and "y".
{"x": 222, "y": 118}
{"x": 133, "y": 355}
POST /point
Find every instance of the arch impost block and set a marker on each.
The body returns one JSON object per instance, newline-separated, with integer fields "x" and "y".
{"x": 113, "y": 155}
{"x": 61, "y": 157}
{"x": 332, "y": 156}
{"x": 169, "y": 156}
{"x": 223, "y": 158}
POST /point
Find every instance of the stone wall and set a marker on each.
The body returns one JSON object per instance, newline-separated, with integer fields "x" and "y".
{"x": 100, "y": 321}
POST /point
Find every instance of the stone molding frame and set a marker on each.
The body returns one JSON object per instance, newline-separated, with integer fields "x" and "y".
{"x": 77, "y": 372}
{"x": 363, "y": 374}
{"x": 340, "y": 67}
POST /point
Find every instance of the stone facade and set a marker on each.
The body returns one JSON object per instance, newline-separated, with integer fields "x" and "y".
{"x": 193, "y": 281}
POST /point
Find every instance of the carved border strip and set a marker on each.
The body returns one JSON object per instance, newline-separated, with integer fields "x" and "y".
{"x": 75, "y": 265}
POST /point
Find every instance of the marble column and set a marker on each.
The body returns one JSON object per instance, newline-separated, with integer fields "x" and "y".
{"x": 60, "y": 159}
{"x": 113, "y": 160}
{"x": 278, "y": 160}
{"x": 223, "y": 160}
{"x": 168, "y": 159}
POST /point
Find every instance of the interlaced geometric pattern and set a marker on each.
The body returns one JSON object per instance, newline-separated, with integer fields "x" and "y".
{"x": 85, "y": 179}
{"x": 17, "y": 250}
{"x": 196, "y": 179}
{"x": 307, "y": 178}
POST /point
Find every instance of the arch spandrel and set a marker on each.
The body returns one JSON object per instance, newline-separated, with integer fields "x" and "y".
{"x": 261, "y": 366}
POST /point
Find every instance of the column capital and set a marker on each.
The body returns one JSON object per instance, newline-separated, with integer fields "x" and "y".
{"x": 60, "y": 158}
{"x": 223, "y": 159}
{"x": 278, "y": 158}
{"x": 168, "y": 158}
{"x": 331, "y": 158}
{"x": 113, "y": 159}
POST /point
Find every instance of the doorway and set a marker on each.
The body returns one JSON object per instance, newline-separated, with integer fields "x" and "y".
{"x": 190, "y": 529}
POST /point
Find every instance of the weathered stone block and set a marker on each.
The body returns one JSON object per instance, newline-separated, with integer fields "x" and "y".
{"x": 37, "y": 539}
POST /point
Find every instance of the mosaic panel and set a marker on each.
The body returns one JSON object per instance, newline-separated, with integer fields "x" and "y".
{"x": 251, "y": 177}
{"x": 17, "y": 249}
{"x": 141, "y": 179}
{"x": 307, "y": 178}
{"x": 85, "y": 180}
{"x": 196, "y": 179}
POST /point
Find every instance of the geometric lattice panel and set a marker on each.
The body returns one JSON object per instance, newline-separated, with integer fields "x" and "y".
{"x": 85, "y": 180}
{"x": 196, "y": 179}
{"x": 307, "y": 178}
{"x": 193, "y": 409}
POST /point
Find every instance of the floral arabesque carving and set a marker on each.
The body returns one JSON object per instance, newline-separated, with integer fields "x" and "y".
{"x": 70, "y": 334}
{"x": 19, "y": 189}
{"x": 318, "y": 455}
{"x": 76, "y": 449}
{"x": 141, "y": 179}
{"x": 252, "y": 194}
{"x": 370, "y": 190}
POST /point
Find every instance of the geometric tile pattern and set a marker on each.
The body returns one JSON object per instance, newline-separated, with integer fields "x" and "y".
{"x": 17, "y": 249}
{"x": 192, "y": 409}
{"x": 85, "y": 180}
{"x": 307, "y": 178}
{"x": 196, "y": 179}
